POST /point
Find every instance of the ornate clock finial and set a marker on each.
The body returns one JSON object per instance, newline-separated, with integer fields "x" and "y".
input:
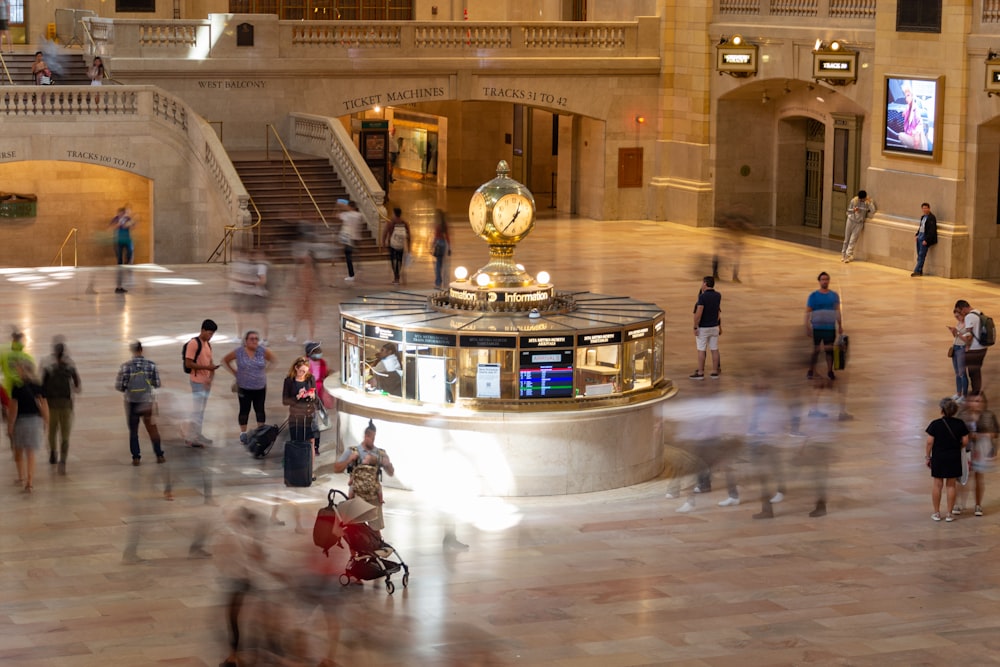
{"x": 503, "y": 169}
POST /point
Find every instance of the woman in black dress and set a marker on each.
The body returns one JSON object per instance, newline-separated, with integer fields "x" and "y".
{"x": 946, "y": 438}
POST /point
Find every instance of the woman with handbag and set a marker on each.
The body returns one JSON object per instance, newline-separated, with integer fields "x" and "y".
{"x": 957, "y": 354}
{"x": 946, "y": 438}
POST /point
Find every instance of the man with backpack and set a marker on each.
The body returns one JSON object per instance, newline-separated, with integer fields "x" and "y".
{"x": 198, "y": 364}
{"x": 137, "y": 379}
{"x": 980, "y": 334}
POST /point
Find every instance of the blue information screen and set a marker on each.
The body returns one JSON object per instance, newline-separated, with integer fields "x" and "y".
{"x": 546, "y": 374}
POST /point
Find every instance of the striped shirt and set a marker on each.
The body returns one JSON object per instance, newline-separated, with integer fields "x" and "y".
{"x": 140, "y": 364}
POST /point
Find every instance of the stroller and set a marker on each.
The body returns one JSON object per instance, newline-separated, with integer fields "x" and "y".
{"x": 371, "y": 557}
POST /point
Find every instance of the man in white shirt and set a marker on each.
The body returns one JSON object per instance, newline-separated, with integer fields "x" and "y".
{"x": 975, "y": 351}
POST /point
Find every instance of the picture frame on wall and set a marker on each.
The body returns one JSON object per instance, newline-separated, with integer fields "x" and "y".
{"x": 913, "y": 109}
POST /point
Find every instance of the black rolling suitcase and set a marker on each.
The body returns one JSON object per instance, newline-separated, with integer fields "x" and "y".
{"x": 262, "y": 438}
{"x": 298, "y": 463}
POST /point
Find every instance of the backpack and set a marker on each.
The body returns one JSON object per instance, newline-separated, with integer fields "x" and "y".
{"x": 397, "y": 240}
{"x": 139, "y": 388}
{"x": 196, "y": 354}
{"x": 987, "y": 330}
{"x": 58, "y": 381}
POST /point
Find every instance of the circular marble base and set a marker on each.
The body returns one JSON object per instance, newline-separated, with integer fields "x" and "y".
{"x": 510, "y": 453}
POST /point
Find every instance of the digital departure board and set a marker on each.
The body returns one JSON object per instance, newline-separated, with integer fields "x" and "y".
{"x": 546, "y": 374}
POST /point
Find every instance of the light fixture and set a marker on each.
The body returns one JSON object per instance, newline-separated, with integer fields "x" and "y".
{"x": 482, "y": 280}
{"x": 543, "y": 277}
{"x": 461, "y": 273}
{"x": 834, "y": 63}
{"x": 818, "y": 45}
{"x": 736, "y": 57}
{"x": 640, "y": 119}
{"x": 835, "y": 45}
{"x": 737, "y": 40}
{"x": 377, "y": 109}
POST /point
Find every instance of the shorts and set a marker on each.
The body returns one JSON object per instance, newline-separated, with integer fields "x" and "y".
{"x": 250, "y": 303}
{"x": 708, "y": 338}
{"x": 28, "y": 431}
{"x": 826, "y": 336}
{"x": 4, "y": 25}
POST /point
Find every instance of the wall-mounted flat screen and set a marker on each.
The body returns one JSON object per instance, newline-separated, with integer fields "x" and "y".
{"x": 912, "y": 111}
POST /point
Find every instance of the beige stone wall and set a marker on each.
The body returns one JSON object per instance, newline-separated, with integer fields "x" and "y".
{"x": 72, "y": 194}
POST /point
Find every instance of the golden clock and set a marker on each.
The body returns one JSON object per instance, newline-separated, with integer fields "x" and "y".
{"x": 513, "y": 215}
{"x": 478, "y": 212}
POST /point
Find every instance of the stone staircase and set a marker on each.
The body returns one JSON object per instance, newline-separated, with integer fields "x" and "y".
{"x": 72, "y": 64}
{"x": 286, "y": 208}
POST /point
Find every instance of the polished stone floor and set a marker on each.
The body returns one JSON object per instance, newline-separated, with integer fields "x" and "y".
{"x": 613, "y": 578}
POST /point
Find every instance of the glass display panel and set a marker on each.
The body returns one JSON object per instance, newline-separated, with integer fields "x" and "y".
{"x": 546, "y": 374}
{"x": 597, "y": 370}
{"x": 384, "y": 367}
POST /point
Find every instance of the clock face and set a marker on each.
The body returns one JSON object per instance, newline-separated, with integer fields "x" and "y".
{"x": 477, "y": 212}
{"x": 513, "y": 215}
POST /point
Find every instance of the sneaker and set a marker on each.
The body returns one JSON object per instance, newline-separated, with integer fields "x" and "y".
{"x": 831, "y": 375}
{"x": 202, "y": 440}
{"x": 916, "y": 273}
{"x": 669, "y": 496}
{"x": 955, "y": 397}
{"x": 52, "y": 458}
{"x": 949, "y": 519}
{"x": 956, "y": 510}
{"x": 777, "y": 498}
{"x": 819, "y": 511}
{"x": 715, "y": 375}
{"x": 349, "y": 279}
{"x": 198, "y": 552}
{"x": 244, "y": 438}
{"x": 196, "y": 445}
{"x": 936, "y": 516}
{"x": 161, "y": 459}
{"x": 818, "y": 413}
{"x": 729, "y": 502}
{"x": 135, "y": 461}
{"x": 688, "y": 506}
{"x": 703, "y": 489}
{"x": 810, "y": 375}
{"x": 697, "y": 376}
{"x": 764, "y": 514}
{"x": 979, "y": 510}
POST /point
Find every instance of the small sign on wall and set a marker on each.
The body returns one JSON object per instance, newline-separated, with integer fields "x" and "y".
{"x": 630, "y": 167}
{"x": 244, "y": 34}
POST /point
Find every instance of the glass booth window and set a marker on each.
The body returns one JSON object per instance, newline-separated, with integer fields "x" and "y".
{"x": 353, "y": 373}
{"x": 597, "y": 370}
{"x": 637, "y": 371}
{"x": 430, "y": 373}
{"x": 487, "y": 373}
{"x": 384, "y": 366}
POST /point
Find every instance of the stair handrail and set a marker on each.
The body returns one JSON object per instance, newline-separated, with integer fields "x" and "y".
{"x": 3, "y": 61}
{"x": 302, "y": 181}
{"x": 73, "y": 234}
{"x": 225, "y": 247}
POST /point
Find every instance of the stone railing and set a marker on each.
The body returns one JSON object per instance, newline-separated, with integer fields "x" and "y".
{"x": 860, "y": 10}
{"x": 319, "y": 135}
{"x": 188, "y": 39}
{"x": 137, "y": 103}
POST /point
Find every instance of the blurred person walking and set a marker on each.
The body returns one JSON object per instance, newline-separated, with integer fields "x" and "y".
{"x": 252, "y": 361}
{"x": 60, "y": 380}
{"x": 946, "y": 438}
{"x": 351, "y": 231}
{"x": 248, "y": 283}
{"x": 138, "y": 378}
{"x": 124, "y": 246}
{"x": 199, "y": 364}
{"x": 306, "y": 283}
{"x": 399, "y": 240}
{"x": 983, "y": 429}
{"x": 10, "y": 356}
{"x": 27, "y": 419}
{"x": 440, "y": 246}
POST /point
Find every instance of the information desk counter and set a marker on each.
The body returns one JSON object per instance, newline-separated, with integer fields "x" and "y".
{"x": 523, "y": 403}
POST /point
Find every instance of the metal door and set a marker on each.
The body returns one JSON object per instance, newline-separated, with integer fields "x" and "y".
{"x": 813, "y": 215}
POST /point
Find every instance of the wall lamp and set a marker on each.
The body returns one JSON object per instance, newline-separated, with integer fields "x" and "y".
{"x": 640, "y": 119}
{"x": 992, "y": 73}
{"x": 736, "y": 57}
{"x": 834, "y": 63}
